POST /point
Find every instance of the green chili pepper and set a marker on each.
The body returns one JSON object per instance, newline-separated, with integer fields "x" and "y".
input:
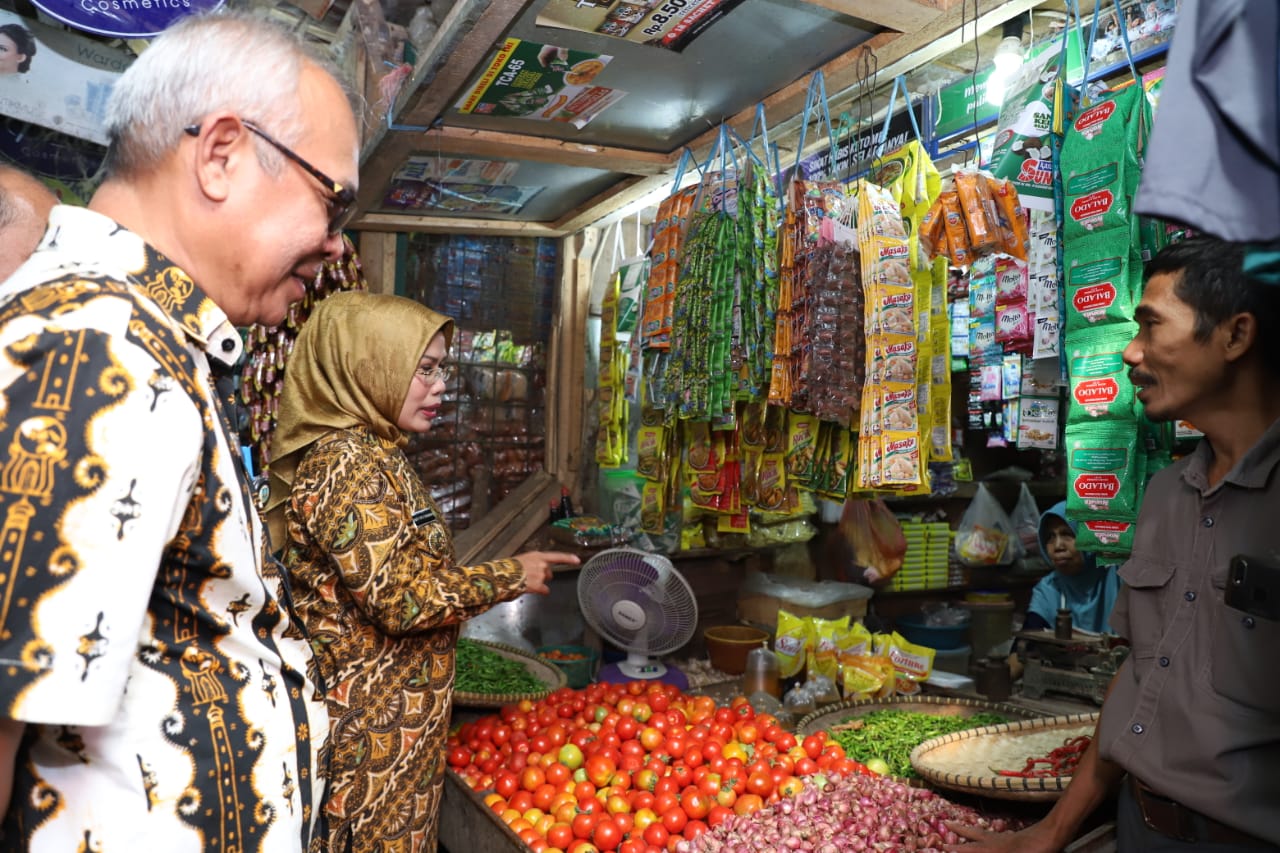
{"x": 891, "y": 735}
{"x": 481, "y": 670}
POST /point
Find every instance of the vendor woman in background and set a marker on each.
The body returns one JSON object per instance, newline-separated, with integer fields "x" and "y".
{"x": 1077, "y": 583}
{"x": 371, "y": 560}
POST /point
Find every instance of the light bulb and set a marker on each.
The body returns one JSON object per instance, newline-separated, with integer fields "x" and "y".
{"x": 1008, "y": 56}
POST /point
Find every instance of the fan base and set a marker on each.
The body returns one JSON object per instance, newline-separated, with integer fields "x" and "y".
{"x": 613, "y": 674}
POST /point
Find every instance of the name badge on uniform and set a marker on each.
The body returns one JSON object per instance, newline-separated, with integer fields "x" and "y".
{"x": 424, "y": 516}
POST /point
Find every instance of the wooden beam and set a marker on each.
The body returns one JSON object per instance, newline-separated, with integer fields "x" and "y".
{"x": 471, "y": 142}
{"x": 574, "y": 317}
{"x": 417, "y": 223}
{"x": 377, "y": 250}
{"x": 902, "y": 15}
{"x": 496, "y": 535}
{"x": 465, "y": 40}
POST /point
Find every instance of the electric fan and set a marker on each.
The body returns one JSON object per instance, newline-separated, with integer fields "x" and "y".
{"x": 638, "y": 602}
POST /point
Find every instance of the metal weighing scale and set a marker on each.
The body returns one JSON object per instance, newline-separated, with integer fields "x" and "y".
{"x": 1082, "y": 666}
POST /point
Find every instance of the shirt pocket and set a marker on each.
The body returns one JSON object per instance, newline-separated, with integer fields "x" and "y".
{"x": 1147, "y": 583}
{"x": 1242, "y": 659}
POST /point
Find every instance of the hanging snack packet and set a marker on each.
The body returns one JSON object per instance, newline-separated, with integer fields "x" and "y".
{"x": 900, "y": 459}
{"x": 1099, "y": 379}
{"x": 791, "y": 643}
{"x": 1013, "y": 326}
{"x": 1103, "y": 480}
{"x": 1099, "y": 271}
{"x": 1014, "y": 239}
{"x": 1101, "y": 164}
{"x": 1011, "y": 281}
{"x": 979, "y": 213}
{"x": 959, "y": 249}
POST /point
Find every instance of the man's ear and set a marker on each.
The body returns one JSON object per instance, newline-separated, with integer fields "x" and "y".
{"x": 1240, "y": 335}
{"x": 220, "y": 149}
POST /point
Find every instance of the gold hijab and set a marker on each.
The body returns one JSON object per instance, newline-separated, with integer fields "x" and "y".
{"x": 351, "y": 366}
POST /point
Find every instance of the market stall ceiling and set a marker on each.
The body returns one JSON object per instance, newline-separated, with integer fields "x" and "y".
{"x": 761, "y": 51}
{"x": 672, "y": 98}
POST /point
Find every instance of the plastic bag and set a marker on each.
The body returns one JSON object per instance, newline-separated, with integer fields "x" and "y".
{"x": 986, "y": 535}
{"x": 875, "y": 537}
{"x": 1026, "y": 522}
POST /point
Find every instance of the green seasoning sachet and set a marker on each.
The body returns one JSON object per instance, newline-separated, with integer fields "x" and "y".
{"x": 1104, "y": 480}
{"x": 1100, "y": 286}
{"x": 1099, "y": 380}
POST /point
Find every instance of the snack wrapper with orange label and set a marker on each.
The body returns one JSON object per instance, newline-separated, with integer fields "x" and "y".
{"x": 979, "y": 212}
{"x": 791, "y": 643}
{"x": 1014, "y": 236}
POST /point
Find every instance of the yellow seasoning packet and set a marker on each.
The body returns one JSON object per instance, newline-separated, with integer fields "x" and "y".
{"x": 866, "y": 677}
{"x": 912, "y": 663}
{"x": 790, "y": 643}
{"x": 826, "y": 648}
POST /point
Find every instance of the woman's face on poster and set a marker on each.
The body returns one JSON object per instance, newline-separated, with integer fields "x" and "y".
{"x": 10, "y": 56}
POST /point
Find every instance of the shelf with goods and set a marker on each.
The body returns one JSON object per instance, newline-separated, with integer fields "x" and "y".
{"x": 489, "y": 435}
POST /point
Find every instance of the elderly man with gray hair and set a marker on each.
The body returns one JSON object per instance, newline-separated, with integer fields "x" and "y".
{"x": 156, "y": 692}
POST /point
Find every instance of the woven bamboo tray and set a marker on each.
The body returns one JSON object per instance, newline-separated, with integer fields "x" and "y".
{"x": 545, "y": 671}
{"x": 941, "y": 706}
{"x": 968, "y": 761}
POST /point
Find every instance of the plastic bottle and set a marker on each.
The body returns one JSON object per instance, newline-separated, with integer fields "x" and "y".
{"x": 566, "y": 504}
{"x": 762, "y": 673}
{"x": 556, "y": 514}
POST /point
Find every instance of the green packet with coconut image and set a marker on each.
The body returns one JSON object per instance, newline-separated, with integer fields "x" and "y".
{"x": 1099, "y": 386}
{"x": 1104, "y": 471}
{"x": 1100, "y": 280}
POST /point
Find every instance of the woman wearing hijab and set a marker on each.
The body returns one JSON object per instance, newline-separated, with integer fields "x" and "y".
{"x": 371, "y": 561}
{"x": 1077, "y": 583}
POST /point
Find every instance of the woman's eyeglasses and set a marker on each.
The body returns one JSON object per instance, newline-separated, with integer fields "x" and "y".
{"x": 432, "y": 375}
{"x": 342, "y": 200}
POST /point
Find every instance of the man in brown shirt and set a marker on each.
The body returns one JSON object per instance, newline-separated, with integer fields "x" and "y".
{"x": 1190, "y": 730}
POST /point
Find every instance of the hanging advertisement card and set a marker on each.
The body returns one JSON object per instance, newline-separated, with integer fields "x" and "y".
{"x": 124, "y": 18}
{"x": 541, "y": 82}
{"x": 440, "y": 197}
{"x": 56, "y": 79}
{"x": 671, "y": 25}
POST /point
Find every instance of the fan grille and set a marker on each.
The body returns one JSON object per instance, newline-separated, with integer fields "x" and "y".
{"x": 637, "y": 601}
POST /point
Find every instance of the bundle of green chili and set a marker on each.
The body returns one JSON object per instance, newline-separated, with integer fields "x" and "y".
{"x": 891, "y": 735}
{"x": 484, "y": 671}
{"x": 756, "y": 298}
{"x": 698, "y": 378}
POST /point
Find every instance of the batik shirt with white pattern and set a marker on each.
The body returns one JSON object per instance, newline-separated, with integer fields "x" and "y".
{"x": 142, "y": 640}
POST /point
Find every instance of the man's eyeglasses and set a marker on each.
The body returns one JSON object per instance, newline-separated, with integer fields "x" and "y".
{"x": 432, "y": 375}
{"x": 342, "y": 199}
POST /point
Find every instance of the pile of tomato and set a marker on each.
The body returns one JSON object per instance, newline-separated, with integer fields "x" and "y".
{"x": 633, "y": 768}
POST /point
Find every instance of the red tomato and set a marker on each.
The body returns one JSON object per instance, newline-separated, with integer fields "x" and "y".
{"x": 694, "y": 828}
{"x": 656, "y": 835}
{"x": 584, "y": 791}
{"x": 806, "y": 767}
{"x": 710, "y": 784}
{"x": 675, "y": 820}
{"x": 641, "y": 800}
{"x": 786, "y": 741}
{"x": 600, "y": 769}
{"x": 651, "y": 738}
{"x": 760, "y": 784}
{"x": 627, "y": 728}
{"x": 607, "y": 835}
{"x": 506, "y": 783}
{"x": 531, "y": 778}
{"x": 543, "y": 796}
{"x": 717, "y": 815}
{"x": 747, "y": 804}
{"x": 583, "y": 824}
{"x": 558, "y": 774}
{"x": 631, "y": 845}
{"x": 695, "y": 803}
{"x": 813, "y": 746}
{"x": 582, "y": 845}
{"x": 682, "y": 774}
{"x": 659, "y": 701}
{"x": 666, "y": 785}
{"x": 459, "y": 756}
{"x": 644, "y": 780}
{"x": 726, "y": 796}
{"x": 663, "y": 803}
{"x": 725, "y": 715}
{"x": 560, "y": 835}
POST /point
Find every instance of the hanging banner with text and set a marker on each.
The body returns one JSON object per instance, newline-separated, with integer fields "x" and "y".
{"x": 56, "y": 79}
{"x": 124, "y": 18}
{"x": 669, "y": 24}
{"x": 857, "y": 150}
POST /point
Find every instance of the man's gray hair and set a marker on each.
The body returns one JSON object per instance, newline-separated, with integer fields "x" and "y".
{"x": 236, "y": 61}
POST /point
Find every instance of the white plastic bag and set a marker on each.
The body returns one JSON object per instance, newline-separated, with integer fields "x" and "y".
{"x": 1026, "y": 523}
{"x": 986, "y": 536}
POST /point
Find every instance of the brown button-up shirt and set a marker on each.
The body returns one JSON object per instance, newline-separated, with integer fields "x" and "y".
{"x": 1195, "y": 711}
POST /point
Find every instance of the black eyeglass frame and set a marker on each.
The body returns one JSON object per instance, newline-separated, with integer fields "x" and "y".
{"x": 343, "y": 198}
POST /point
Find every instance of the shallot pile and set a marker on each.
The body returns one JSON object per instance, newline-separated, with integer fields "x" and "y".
{"x": 853, "y": 813}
